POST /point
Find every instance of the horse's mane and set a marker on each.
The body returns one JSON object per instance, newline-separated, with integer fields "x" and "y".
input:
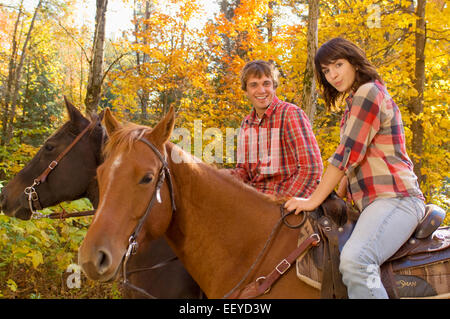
{"x": 125, "y": 136}
{"x": 224, "y": 174}
{"x": 122, "y": 139}
{"x": 276, "y": 199}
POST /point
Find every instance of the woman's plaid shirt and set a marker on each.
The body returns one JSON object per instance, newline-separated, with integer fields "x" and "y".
{"x": 372, "y": 149}
{"x": 279, "y": 154}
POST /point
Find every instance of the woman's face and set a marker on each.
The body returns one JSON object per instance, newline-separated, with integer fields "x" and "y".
{"x": 340, "y": 74}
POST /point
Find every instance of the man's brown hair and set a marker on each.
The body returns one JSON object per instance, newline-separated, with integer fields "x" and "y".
{"x": 259, "y": 68}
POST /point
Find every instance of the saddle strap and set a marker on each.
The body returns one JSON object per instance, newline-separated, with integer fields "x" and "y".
{"x": 263, "y": 284}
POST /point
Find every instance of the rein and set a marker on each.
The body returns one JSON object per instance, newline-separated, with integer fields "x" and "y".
{"x": 266, "y": 245}
{"x": 32, "y": 195}
{"x": 132, "y": 241}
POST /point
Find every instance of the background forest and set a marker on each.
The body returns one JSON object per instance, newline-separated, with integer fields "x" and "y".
{"x": 172, "y": 55}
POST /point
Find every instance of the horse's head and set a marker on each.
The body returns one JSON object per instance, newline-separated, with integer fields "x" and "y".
{"x": 72, "y": 176}
{"x": 128, "y": 180}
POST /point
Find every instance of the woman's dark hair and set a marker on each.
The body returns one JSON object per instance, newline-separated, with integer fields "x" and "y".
{"x": 339, "y": 48}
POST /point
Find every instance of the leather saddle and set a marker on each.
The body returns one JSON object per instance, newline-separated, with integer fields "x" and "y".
{"x": 334, "y": 220}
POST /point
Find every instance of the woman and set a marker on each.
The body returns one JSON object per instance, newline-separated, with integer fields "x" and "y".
{"x": 372, "y": 156}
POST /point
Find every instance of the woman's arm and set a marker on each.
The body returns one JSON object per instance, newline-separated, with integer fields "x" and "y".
{"x": 329, "y": 181}
{"x": 342, "y": 188}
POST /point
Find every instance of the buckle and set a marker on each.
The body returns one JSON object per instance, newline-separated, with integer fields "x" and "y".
{"x": 53, "y": 164}
{"x": 284, "y": 265}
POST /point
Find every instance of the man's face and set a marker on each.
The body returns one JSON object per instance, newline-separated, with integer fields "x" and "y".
{"x": 260, "y": 92}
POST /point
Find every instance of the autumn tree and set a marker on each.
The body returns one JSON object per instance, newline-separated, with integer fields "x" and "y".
{"x": 416, "y": 105}
{"x": 16, "y": 61}
{"x": 309, "y": 95}
{"x": 96, "y": 72}
{"x": 167, "y": 56}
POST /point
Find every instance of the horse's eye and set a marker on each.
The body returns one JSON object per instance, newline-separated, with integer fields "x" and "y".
{"x": 146, "y": 179}
{"x": 49, "y": 147}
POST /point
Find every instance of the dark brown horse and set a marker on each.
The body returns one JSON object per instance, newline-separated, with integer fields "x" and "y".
{"x": 74, "y": 177}
{"x": 216, "y": 225}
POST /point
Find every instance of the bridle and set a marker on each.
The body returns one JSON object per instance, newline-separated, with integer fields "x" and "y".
{"x": 132, "y": 241}
{"x": 30, "y": 191}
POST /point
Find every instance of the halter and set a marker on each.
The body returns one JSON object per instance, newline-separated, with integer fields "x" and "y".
{"x": 30, "y": 191}
{"x": 132, "y": 242}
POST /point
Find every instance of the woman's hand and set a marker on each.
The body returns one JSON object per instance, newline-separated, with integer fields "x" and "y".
{"x": 300, "y": 204}
{"x": 330, "y": 179}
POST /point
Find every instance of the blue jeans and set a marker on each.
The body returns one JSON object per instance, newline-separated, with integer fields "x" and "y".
{"x": 382, "y": 228}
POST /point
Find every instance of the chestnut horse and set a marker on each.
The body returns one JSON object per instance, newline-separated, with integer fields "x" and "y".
{"x": 74, "y": 177}
{"x": 217, "y": 226}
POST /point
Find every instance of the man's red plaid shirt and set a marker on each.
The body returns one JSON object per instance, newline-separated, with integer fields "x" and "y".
{"x": 278, "y": 154}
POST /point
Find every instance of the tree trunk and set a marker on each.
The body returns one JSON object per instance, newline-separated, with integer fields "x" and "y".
{"x": 309, "y": 95}
{"x": 144, "y": 93}
{"x": 416, "y": 106}
{"x": 9, "y": 82}
{"x": 270, "y": 21}
{"x": 94, "y": 87}
{"x": 13, "y": 85}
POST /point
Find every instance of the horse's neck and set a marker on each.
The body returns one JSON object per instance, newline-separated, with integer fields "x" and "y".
{"x": 218, "y": 223}
{"x": 92, "y": 189}
{"x": 92, "y": 192}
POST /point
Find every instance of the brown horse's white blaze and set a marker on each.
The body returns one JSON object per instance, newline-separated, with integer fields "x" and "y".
{"x": 219, "y": 227}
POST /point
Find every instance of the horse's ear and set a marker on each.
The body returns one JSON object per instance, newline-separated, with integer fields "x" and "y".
{"x": 74, "y": 114}
{"x": 111, "y": 123}
{"x": 101, "y": 114}
{"x": 162, "y": 131}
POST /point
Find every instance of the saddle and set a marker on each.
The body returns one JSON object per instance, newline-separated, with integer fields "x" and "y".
{"x": 420, "y": 268}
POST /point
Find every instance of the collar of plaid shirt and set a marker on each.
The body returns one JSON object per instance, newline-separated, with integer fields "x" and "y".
{"x": 252, "y": 117}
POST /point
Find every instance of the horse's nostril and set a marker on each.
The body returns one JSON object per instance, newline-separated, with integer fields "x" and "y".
{"x": 103, "y": 261}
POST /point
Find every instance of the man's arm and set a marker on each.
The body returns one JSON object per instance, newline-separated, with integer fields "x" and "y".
{"x": 302, "y": 141}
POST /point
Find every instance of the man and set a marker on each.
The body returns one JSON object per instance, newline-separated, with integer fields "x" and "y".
{"x": 277, "y": 151}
